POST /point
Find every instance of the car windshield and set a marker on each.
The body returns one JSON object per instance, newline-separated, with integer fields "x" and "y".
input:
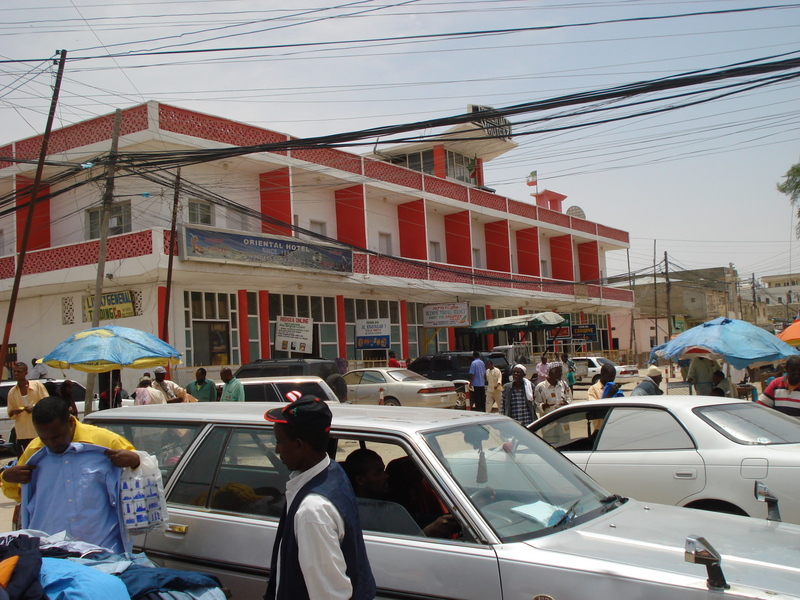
{"x": 751, "y": 424}
{"x": 605, "y": 361}
{"x": 521, "y": 486}
{"x": 405, "y": 375}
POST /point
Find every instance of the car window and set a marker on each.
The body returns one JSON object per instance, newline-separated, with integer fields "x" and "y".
{"x": 582, "y": 362}
{"x": 604, "y": 361}
{"x": 353, "y": 378}
{"x": 574, "y": 432}
{"x": 324, "y": 370}
{"x": 166, "y": 441}
{"x": 4, "y": 394}
{"x": 520, "y": 485}
{"x": 304, "y": 387}
{"x": 194, "y": 483}
{"x": 464, "y": 362}
{"x": 751, "y": 423}
{"x": 394, "y": 494}
{"x": 254, "y": 392}
{"x": 499, "y": 361}
{"x": 405, "y": 375}
{"x": 441, "y": 363}
{"x": 251, "y": 478}
{"x": 634, "y": 428}
{"x": 373, "y": 377}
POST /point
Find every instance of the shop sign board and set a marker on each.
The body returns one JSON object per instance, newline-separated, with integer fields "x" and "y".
{"x": 373, "y": 334}
{"x": 217, "y": 245}
{"x": 294, "y": 334}
{"x": 452, "y": 314}
{"x": 585, "y": 331}
{"x": 563, "y": 331}
{"x": 114, "y": 305}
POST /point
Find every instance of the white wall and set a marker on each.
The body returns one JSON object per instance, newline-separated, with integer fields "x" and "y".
{"x": 381, "y": 218}
{"x": 315, "y": 204}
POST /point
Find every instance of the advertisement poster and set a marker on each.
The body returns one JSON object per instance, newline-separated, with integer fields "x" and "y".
{"x": 585, "y": 331}
{"x": 215, "y": 245}
{"x": 294, "y": 334}
{"x": 563, "y": 331}
{"x": 116, "y": 305}
{"x": 454, "y": 314}
{"x": 373, "y": 334}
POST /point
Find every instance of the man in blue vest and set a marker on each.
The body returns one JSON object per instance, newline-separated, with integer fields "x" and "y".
{"x": 319, "y": 549}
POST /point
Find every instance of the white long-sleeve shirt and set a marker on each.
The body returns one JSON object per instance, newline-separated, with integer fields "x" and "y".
{"x": 319, "y": 530}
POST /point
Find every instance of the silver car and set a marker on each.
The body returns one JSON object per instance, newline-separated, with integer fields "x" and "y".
{"x": 530, "y": 524}
{"x": 392, "y": 386}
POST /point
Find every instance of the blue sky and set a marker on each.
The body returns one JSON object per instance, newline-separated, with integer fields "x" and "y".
{"x": 699, "y": 181}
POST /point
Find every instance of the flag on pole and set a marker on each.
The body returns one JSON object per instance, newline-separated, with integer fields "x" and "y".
{"x": 532, "y": 179}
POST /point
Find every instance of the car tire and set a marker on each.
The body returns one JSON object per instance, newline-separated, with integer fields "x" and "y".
{"x": 391, "y": 401}
{"x": 337, "y": 384}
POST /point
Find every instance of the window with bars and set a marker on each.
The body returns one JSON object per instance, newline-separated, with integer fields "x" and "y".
{"x": 119, "y": 220}
{"x": 200, "y": 213}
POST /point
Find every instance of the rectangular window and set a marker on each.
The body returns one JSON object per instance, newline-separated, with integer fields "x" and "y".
{"x": 476, "y": 258}
{"x": 319, "y": 227}
{"x": 119, "y": 220}
{"x": 385, "y": 243}
{"x": 460, "y": 167}
{"x": 200, "y": 213}
{"x": 434, "y": 251}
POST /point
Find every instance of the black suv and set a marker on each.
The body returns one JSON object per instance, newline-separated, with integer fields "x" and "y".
{"x": 325, "y": 369}
{"x": 455, "y": 365}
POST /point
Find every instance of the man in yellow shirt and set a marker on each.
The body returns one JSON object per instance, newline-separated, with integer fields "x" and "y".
{"x": 21, "y": 400}
{"x": 608, "y": 373}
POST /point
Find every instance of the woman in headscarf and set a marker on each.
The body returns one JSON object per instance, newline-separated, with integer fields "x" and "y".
{"x": 517, "y": 400}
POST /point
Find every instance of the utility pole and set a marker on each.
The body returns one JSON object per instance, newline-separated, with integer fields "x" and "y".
{"x": 655, "y": 291}
{"x": 173, "y": 227}
{"x": 37, "y": 180}
{"x": 633, "y": 342}
{"x": 669, "y": 302}
{"x": 105, "y": 214}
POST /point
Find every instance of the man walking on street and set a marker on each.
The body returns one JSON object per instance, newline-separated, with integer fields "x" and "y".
{"x": 233, "y": 390}
{"x": 649, "y": 386}
{"x": 477, "y": 379}
{"x": 21, "y": 400}
{"x": 205, "y": 390}
{"x": 552, "y": 392}
{"x": 319, "y": 550}
{"x": 494, "y": 386}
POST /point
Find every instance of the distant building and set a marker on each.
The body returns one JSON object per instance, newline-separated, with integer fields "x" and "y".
{"x": 781, "y": 294}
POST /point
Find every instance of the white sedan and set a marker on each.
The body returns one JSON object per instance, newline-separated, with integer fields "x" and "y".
{"x": 588, "y": 367}
{"x": 695, "y": 451}
{"x": 398, "y": 387}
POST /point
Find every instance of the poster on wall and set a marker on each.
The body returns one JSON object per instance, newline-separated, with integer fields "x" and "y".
{"x": 453, "y": 314}
{"x": 114, "y": 305}
{"x": 294, "y": 334}
{"x": 373, "y": 334}
{"x": 585, "y": 331}
{"x": 563, "y": 331}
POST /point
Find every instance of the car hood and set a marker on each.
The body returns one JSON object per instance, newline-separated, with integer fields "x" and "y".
{"x": 647, "y": 541}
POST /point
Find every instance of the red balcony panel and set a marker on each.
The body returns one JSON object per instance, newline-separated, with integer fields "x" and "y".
{"x": 383, "y": 171}
{"x": 9, "y": 152}
{"x": 617, "y": 294}
{"x": 451, "y": 274}
{"x": 359, "y": 263}
{"x": 522, "y": 209}
{"x": 381, "y": 265}
{"x": 336, "y": 159}
{"x": 594, "y": 291}
{"x": 7, "y": 267}
{"x": 175, "y": 247}
{"x": 217, "y": 129}
{"x": 583, "y": 225}
{"x": 481, "y": 198}
{"x": 554, "y": 218}
{"x": 445, "y": 188}
{"x": 613, "y": 234}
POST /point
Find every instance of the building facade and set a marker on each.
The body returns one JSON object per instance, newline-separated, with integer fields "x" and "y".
{"x": 312, "y": 238}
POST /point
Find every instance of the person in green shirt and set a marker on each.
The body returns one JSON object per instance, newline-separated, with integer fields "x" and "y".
{"x": 233, "y": 391}
{"x": 205, "y": 390}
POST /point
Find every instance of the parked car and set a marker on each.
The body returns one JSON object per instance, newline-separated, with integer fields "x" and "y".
{"x": 695, "y": 451}
{"x": 532, "y": 525}
{"x": 451, "y": 366}
{"x": 287, "y": 367}
{"x": 398, "y": 387}
{"x": 274, "y": 389}
{"x": 588, "y": 367}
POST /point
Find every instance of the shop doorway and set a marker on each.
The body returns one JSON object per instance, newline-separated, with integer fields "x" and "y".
{"x": 211, "y": 342}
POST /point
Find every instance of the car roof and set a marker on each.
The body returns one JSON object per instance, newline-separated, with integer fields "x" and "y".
{"x": 675, "y": 403}
{"x": 261, "y": 361}
{"x": 280, "y": 379}
{"x": 345, "y": 416}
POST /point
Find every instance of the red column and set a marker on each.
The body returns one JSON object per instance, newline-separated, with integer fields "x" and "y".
{"x": 263, "y": 322}
{"x": 276, "y": 200}
{"x": 40, "y": 228}
{"x": 404, "y": 330}
{"x": 479, "y": 172}
{"x": 351, "y": 223}
{"x": 162, "y": 305}
{"x": 341, "y": 327}
{"x": 561, "y": 257}
{"x": 589, "y": 262}
{"x": 244, "y": 334}
{"x": 458, "y": 239}
{"x": 498, "y": 256}
{"x": 528, "y": 261}
{"x": 411, "y": 224}
{"x": 489, "y": 336}
{"x": 439, "y": 162}
{"x": 451, "y": 338}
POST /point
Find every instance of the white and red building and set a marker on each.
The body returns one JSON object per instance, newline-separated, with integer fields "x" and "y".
{"x": 408, "y": 226}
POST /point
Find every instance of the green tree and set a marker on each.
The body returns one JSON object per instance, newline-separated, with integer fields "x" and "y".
{"x": 791, "y": 187}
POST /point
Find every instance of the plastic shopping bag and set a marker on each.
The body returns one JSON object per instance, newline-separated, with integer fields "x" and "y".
{"x": 144, "y": 507}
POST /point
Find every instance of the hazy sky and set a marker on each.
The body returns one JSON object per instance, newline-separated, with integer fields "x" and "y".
{"x": 699, "y": 180}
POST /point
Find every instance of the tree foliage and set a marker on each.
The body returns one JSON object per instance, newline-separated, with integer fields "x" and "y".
{"x": 791, "y": 187}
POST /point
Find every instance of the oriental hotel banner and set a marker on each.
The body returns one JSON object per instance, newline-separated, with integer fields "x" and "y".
{"x": 216, "y": 245}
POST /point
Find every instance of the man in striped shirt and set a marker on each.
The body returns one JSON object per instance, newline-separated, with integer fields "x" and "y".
{"x": 783, "y": 393}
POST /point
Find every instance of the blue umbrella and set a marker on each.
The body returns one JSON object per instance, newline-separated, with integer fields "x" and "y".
{"x": 738, "y": 343}
{"x": 111, "y": 347}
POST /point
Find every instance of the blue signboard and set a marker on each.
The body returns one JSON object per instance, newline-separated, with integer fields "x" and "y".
{"x": 214, "y": 245}
{"x": 585, "y": 331}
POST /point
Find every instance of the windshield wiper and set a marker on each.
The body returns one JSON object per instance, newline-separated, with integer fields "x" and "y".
{"x": 568, "y": 515}
{"x": 609, "y": 502}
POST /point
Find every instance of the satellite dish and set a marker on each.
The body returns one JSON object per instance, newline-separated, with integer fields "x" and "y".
{"x": 577, "y": 212}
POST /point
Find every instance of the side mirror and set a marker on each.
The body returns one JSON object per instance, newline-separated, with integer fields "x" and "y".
{"x": 764, "y": 494}
{"x": 700, "y": 552}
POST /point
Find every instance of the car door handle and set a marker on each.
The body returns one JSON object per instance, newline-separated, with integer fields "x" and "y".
{"x": 177, "y": 528}
{"x": 686, "y": 474}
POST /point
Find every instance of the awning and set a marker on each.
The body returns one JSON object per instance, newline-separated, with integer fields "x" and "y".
{"x": 529, "y": 322}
